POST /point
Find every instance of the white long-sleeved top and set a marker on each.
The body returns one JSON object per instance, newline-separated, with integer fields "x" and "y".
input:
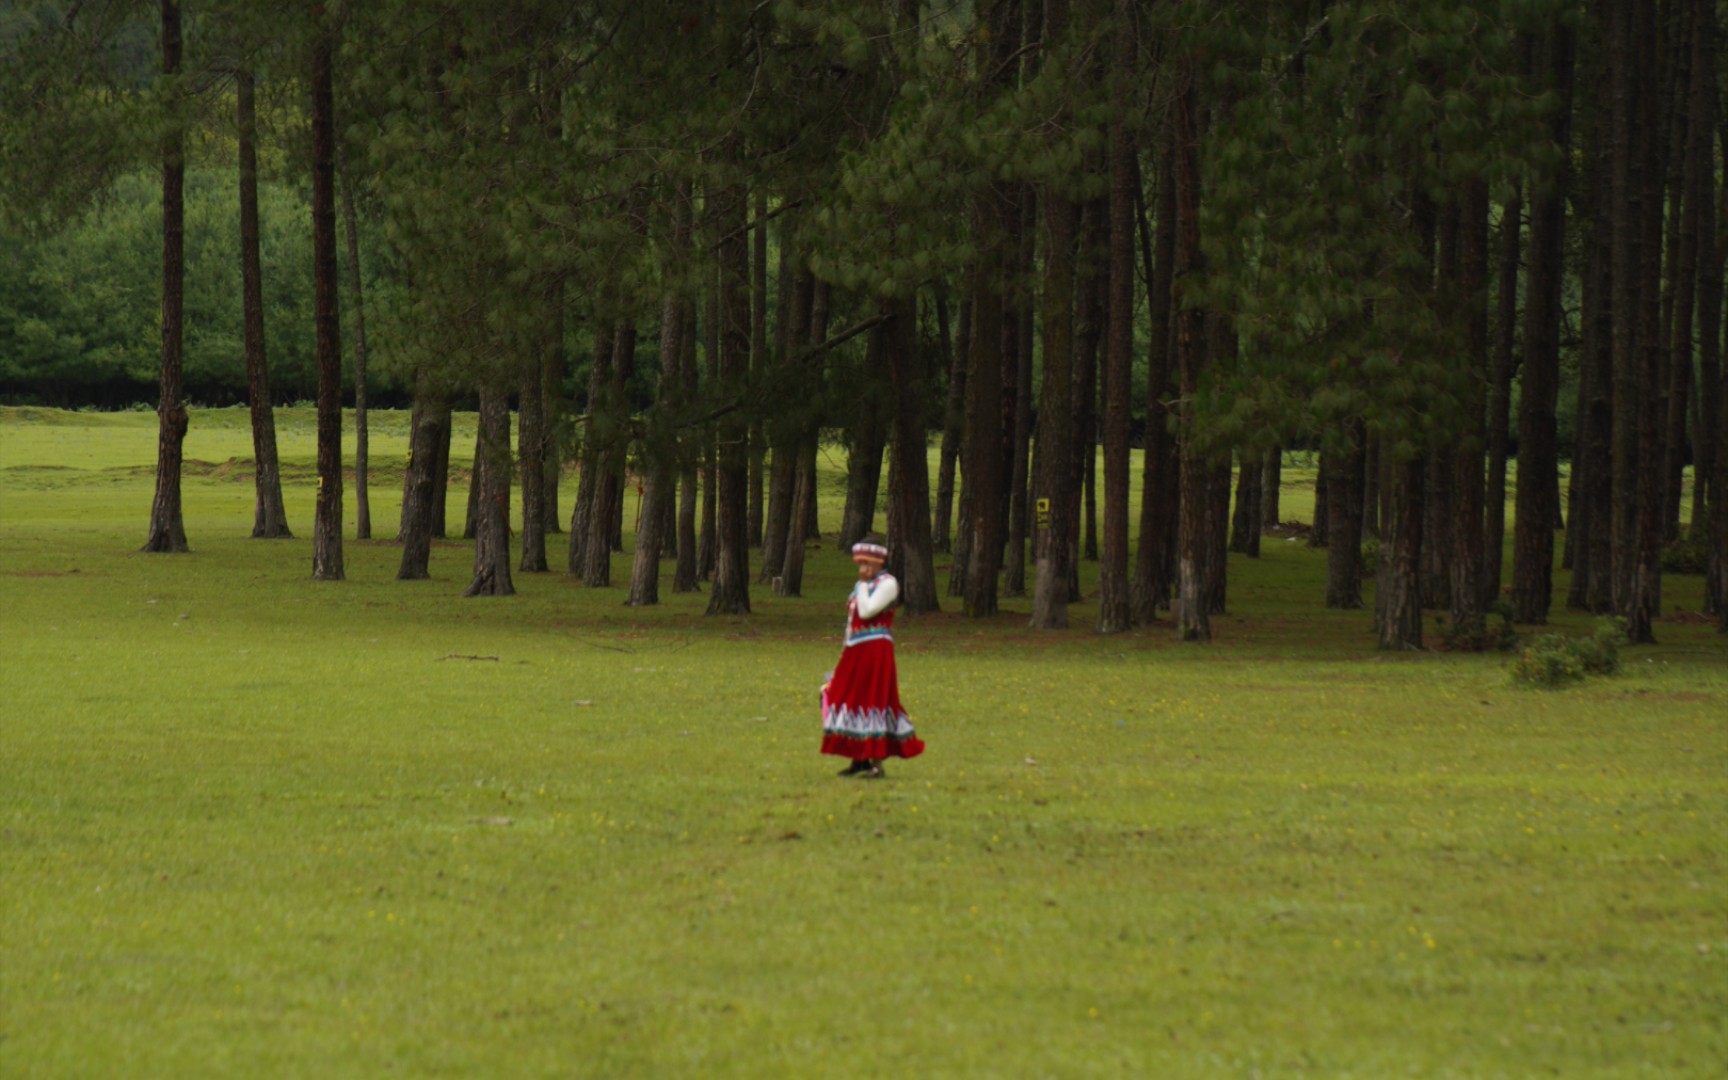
{"x": 871, "y": 598}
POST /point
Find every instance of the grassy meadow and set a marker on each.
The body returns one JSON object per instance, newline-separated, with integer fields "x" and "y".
{"x": 254, "y": 825}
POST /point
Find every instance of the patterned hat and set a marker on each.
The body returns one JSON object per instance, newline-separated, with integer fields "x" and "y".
{"x": 866, "y": 549}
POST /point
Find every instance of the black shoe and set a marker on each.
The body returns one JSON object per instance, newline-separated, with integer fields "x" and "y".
{"x": 871, "y": 772}
{"x": 855, "y": 768}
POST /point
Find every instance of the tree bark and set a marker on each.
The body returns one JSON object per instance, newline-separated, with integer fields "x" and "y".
{"x": 1194, "y": 570}
{"x": 327, "y": 563}
{"x": 1344, "y": 517}
{"x": 1017, "y": 326}
{"x": 758, "y": 362}
{"x": 1158, "y": 499}
{"x": 684, "y": 575}
{"x": 269, "y": 518}
{"x": 1538, "y": 461}
{"x": 730, "y": 594}
{"x": 909, "y": 541}
{"x": 357, "y": 304}
{"x": 1271, "y": 483}
{"x": 1245, "y": 517}
{"x": 1500, "y": 398}
{"x": 430, "y": 428}
{"x": 492, "y": 480}
{"x": 1469, "y": 596}
{"x": 953, "y": 421}
{"x": 1398, "y": 588}
{"x": 1115, "y": 607}
{"x": 167, "y": 524}
{"x": 867, "y": 438}
{"x": 1054, "y": 493}
{"x": 531, "y": 466}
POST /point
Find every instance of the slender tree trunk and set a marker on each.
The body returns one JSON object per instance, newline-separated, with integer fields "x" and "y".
{"x": 1344, "y": 515}
{"x": 1320, "y": 530}
{"x": 1056, "y": 445}
{"x": 684, "y": 576}
{"x": 357, "y": 304}
{"x": 1644, "y": 599}
{"x": 492, "y": 480}
{"x": 1158, "y": 503}
{"x": 327, "y": 564}
{"x": 867, "y": 438}
{"x": 1271, "y": 483}
{"x": 953, "y": 421}
{"x": 1708, "y": 496}
{"x": 731, "y": 592}
{"x": 1538, "y": 463}
{"x": 1500, "y": 398}
{"x": 1245, "y": 516}
{"x": 1017, "y": 421}
{"x": 531, "y": 467}
{"x": 910, "y": 471}
{"x": 802, "y": 530}
{"x": 430, "y": 429}
{"x": 758, "y": 362}
{"x": 1469, "y": 599}
{"x": 1115, "y": 608}
{"x": 1398, "y": 591}
{"x": 588, "y": 495}
{"x": 1193, "y": 622}
{"x": 167, "y": 525}
{"x": 269, "y": 518}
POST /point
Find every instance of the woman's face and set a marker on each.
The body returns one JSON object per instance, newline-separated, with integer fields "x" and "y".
{"x": 867, "y": 568}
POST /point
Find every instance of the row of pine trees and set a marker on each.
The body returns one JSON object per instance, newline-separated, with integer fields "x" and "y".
{"x": 1392, "y": 230}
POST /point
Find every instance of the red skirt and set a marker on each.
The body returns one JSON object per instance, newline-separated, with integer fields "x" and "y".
{"x": 861, "y": 713}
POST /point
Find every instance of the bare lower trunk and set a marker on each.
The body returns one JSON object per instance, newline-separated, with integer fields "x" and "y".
{"x": 531, "y": 466}
{"x": 327, "y": 562}
{"x": 431, "y": 422}
{"x": 910, "y": 487}
{"x": 357, "y": 313}
{"x": 1398, "y": 590}
{"x": 492, "y": 482}
{"x": 167, "y": 527}
{"x": 269, "y": 519}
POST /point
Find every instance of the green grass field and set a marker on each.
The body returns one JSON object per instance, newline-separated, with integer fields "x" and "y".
{"x": 254, "y": 825}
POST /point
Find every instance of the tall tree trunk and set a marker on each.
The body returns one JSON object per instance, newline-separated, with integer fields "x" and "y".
{"x": 1344, "y": 468}
{"x": 1538, "y": 464}
{"x": 791, "y": 580}
{"x": 1115, "y": 608}
{"x": 1590, "y": 527}
{"x": 167, "y": 525}
{"x": 1500, "y": 397}
{"x": 785, "y": 433}
{"x": 1272, "y": 482}
{"x": 1709, "y": 475}
{"x": 430, "y": 427}
{"x": 731, "y": 592}
{"x": 867, "y": 436}
{"x": 1469, "y": 597}
{"x": 357, "y": 313}
{"x": 441, "y": 476}
{"x": 1054, "y": 493}
{"x": 953, "y": 421}
{"x": 1158, "y": 502}
{"x": 1245, "y": 516}
{"x": 758, "y": 362}
{"x": 707, "y": 551}
{"x": 531, "y": 466}
{"x": 1017, "y": 328}
{"x": 591, "y": 499}
{"x": 684, "y": 575}
{"x": 269, "y": 518}
{"x": 492, "y": 480}
{"x": 1320, "y": 530}
{"x": 1398, "y": 586}
{"x": 910, "y": 470}
{"x": 327, "y": 562}
{"x": 1644, "y": 596}
{"x": 1194, "y": 571}
{"x": 985, "y": 486}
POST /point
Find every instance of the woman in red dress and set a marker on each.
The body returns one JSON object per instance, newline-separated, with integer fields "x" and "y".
{"x": 862, "y": 718}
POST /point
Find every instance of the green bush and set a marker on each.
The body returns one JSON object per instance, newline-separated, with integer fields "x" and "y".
{"x": 1685, "y": 556}
{"x": 1555, "y": 659}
